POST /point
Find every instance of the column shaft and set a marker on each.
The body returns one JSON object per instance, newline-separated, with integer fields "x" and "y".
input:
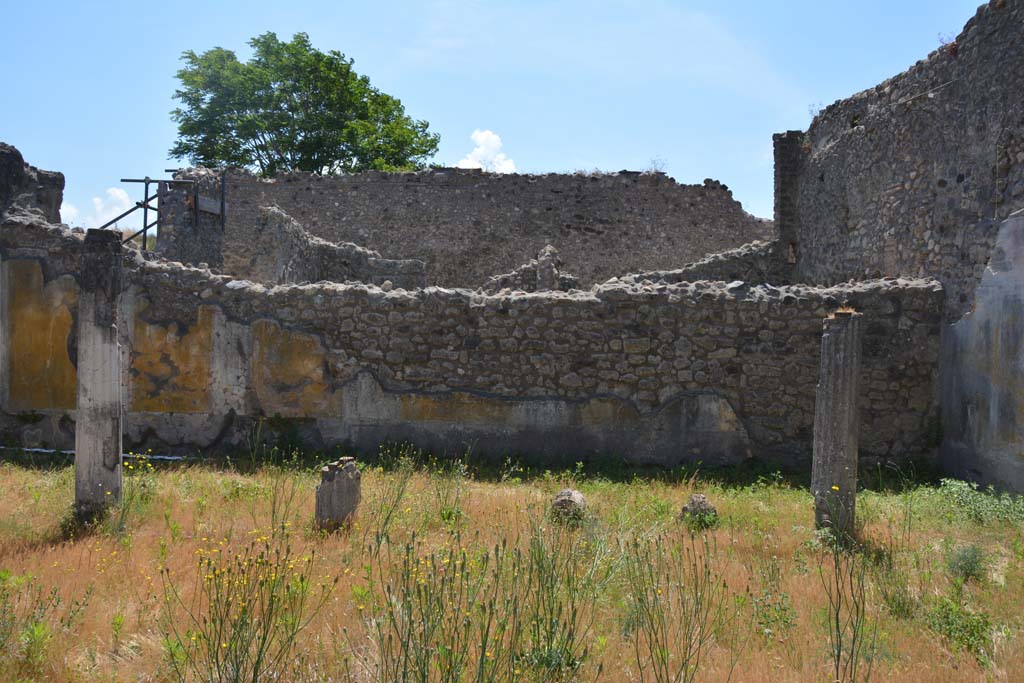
{"x": 836, "y": 422}
{"x": 98, "y": 417}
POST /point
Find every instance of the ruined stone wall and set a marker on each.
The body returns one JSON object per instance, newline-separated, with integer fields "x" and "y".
{"x": 27, "y": 188}
{"x": 683, "y": 373}
{"x": 469, "y": 225}
{"x": 189, "y": 230}
{"x": 540, "y": 274}
{"x": 912, "y": 177}
{"x": 283, "y": 252}
{"x": 757, "y": 262}
{"x": 671, "y": 373}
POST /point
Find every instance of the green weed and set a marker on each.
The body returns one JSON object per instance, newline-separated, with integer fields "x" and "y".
{"x": 248, "y": 610}
{"x": 963, "y": 628}
{"x": 29, "y": 617}
{"x": 842, "y": 567}
{"x": 982, "y": 506}
{"x": 773, "y": 609}
{"x": 967, "y": 563}
{"x": 676, "y": 605}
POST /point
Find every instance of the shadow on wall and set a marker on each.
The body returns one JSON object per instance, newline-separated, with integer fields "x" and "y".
{"x": 690, "y": 428}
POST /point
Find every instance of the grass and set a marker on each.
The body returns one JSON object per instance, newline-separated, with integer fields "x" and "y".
{"x": 212, "y": 572}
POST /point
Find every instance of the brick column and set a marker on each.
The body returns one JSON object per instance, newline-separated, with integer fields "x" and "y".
{"x": 98, "y": 418}
{"x": 836, "y": 421}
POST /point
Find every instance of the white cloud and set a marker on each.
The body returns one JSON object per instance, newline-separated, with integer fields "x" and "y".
{"x": 114, "y": 202}
{"x": 487, "y": 154}
{"x": 69, "y": 213}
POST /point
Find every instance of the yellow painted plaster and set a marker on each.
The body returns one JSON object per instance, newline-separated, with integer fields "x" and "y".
{"x": 41, "y": 323}
{"x": 171, "y": 367}
{"x": 606, "y": 412}
{"x": 464, "y": 408}
{"x": 289, "y": 375}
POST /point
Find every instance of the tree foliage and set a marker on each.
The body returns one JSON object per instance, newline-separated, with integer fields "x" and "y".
{"x": 291, "y": 107}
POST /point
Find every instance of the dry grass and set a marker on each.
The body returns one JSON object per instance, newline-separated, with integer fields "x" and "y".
{"x": 764, "y": 549}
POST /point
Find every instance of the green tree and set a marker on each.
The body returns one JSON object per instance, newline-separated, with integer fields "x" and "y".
{"x": 291, "y": 107}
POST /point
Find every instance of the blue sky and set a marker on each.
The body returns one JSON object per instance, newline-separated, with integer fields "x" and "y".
{"x": 694, "y": 87}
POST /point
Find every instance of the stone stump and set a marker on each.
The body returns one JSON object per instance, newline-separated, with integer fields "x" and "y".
{"x": 836, "y": 421}
{"x": 98, "y": 416}
{"x": 698, "y": 506}
{"x": 568, "y": 504}
{"x": 338, "y": 494}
